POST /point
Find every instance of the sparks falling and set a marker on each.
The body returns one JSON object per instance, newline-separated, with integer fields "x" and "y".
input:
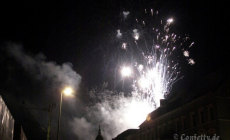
{"x": 148, "y": 52}
{"x": 154, "y": 46}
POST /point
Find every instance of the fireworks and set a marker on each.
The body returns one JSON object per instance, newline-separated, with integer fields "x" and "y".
{"x": 119, "y": 34}
{"x": 124, "y": 46}
{"x": 149, "y": 51}
{"x": 191, "y": 61}
{"x": 126, "y": 71}
{"x": 186, "y": 53}
{"x": 135, "y": 34}
{"x": 155, "y": 69}
{"x": 170, "y": 20}
{"x": 125, "y": 14}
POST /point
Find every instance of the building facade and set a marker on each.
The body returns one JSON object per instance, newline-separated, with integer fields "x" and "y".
{"x": 124, "y": 135}
{"x": 205, "y": 116}
{"x": 183, "y": 117}
{"x": 6, "y": 122}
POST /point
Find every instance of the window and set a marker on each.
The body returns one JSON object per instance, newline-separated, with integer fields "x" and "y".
{"x": 211, "y": 113}
{"x": 202, "y": 116}
{"x": 193, "y": 119}
{"x": 177, "y": 124}
{"x": 183, "y": 122}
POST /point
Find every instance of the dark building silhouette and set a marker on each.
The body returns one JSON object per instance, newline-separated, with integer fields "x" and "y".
{"x": 199, "y": 112}
{"x": 125, "y": 134}
{"x": 99, "y": 136}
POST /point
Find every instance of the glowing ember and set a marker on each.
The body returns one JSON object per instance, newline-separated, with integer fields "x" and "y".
{"x": 126, "y": 71}
{"x": 135, "y": 34}
{"x": 125, "y": 14}
{"x": 186, "y": 53}
{"x": 124, "y": 46}
{"x": 191, "y": 61}
{"x": 119, "y": 34}
{"x": 170, "y": 20}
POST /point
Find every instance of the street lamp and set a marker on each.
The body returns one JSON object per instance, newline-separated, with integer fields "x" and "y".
{"x": 67, "y": 91}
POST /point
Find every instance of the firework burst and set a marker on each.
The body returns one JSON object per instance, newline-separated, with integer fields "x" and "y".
{"x": 154, "y": 47}
{"x": 149, "y": 51}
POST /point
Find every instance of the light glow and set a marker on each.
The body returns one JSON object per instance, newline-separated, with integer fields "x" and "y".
{"x": 126, "y": 71}
{"x": 170, "y": 20}
{"x": 136, "y": 35}
{"x": 144, "y": 83}
{"x": 67, "y": 91}
{"x": 148, "y": 118}
{"x": 135, "y": 112}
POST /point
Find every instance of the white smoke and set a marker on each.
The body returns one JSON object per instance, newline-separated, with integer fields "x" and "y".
{"x": 39, "y": 67}
{"x": 57, "y": 76}
{"x": 114, "y": 112}
{"x": 83, "y": 129}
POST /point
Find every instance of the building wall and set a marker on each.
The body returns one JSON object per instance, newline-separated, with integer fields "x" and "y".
{"x": 6, "y": 122}
{"x": 207, "y": 115}
{"x": 223, "y": 117}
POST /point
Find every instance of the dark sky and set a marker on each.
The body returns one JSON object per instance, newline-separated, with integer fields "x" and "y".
{"x": 80, "y": 32}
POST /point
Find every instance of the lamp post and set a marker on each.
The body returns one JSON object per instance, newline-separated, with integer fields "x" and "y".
{"x": 68, "y": 92}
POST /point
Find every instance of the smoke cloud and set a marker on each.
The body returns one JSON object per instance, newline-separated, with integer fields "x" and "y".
{"x": 40, "y": 68}
{"x": 56, "y": 77}
{"x": 114, "y": 111}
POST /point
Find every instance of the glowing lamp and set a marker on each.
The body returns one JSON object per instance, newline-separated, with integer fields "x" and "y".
{"x": 148, "y": 118}
{"x": 68, "y": 91}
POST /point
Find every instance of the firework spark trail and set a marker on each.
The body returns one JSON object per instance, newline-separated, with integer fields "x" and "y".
{"x": 156, "y": 44}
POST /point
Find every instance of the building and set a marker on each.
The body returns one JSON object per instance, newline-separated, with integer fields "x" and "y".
{"x": 9, "y": 128}
{"x": 6, "y": 122}
{"x": 189, "y": 115}
{"x": 207, "y": 115}
{"x": 125, "y": 134}
{"x": 99, "y": 136}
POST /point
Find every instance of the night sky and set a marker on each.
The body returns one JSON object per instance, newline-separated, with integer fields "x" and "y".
{"x": 78, "y": 32}
{"x": 82, "y": 33}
